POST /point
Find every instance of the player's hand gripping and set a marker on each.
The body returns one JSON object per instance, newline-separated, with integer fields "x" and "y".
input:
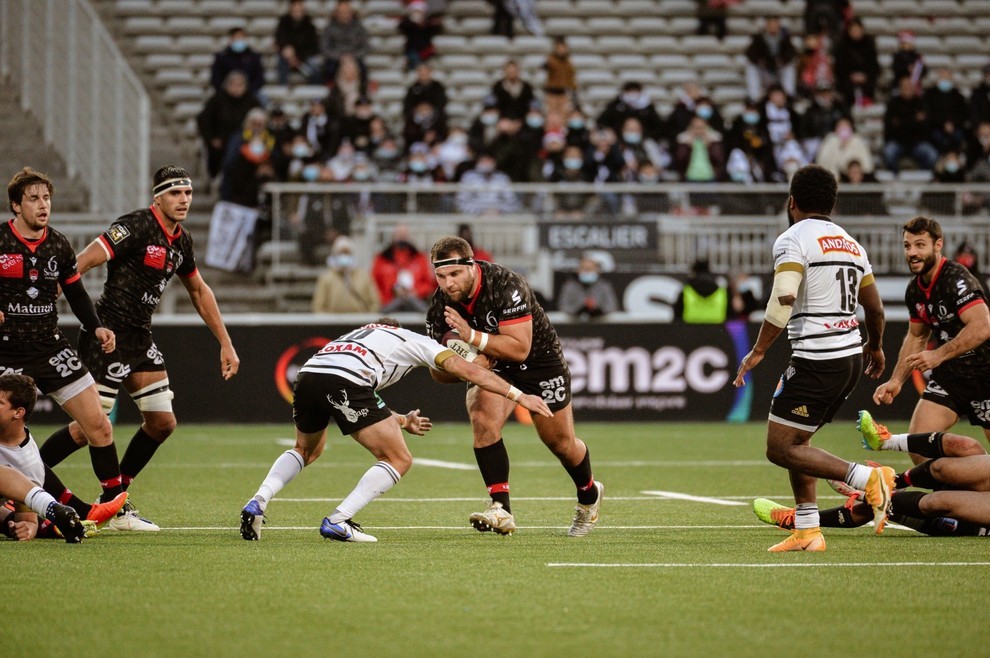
{"x": 924, "y": 360}
{"x": 456, "y": 322}
{"x": 107, "y": 339}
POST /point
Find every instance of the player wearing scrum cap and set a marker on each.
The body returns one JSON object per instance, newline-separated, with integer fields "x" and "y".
{"x": 143, "y": 250}
{"x": 495, "y": 310}
{"x": 35, "y": 261}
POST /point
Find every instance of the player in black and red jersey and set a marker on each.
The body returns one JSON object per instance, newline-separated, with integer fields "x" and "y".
{"x": 949, "y": 305}
{"x": 495, "y": 310}
{"x": 35, "y": 260}
{"x": 143, "y": 250}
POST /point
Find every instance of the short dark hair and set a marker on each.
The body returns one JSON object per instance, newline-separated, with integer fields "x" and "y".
{"x": 922, "y": 224}
{"x": 389, "y": 322}
{"x": 450, "y": 247}
{"x": 21, "y": 392}
{"x": 814, "y": 189}
{"x": 24, "y": 179}
{"x": 168, "y": 172}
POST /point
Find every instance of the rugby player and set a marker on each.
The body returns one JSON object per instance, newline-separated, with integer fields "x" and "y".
{"x": 495, "y": 310}
{"x": 143, "y": 250}
{"x": 341, "y": 383}
{"x": 22, "y": 472}
{"x": 947, "y": 304}
{"x": 35, "y": 261}
{"x": 821, "y": 275}
{"x": 954, "y": 469}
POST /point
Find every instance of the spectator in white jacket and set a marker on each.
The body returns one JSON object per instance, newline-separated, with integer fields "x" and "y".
{"x": 842, "y": 146}
{"x": 486, "y": 191}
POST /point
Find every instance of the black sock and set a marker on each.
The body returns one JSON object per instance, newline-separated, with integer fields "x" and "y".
{"x": 926, "y": 445}
{"x": 907, "y": 503}
{"x": 493, "y": 461}
{"x": 139, "y": 452}
{"x": 54, "y": 486}
{"x": 837, "y": 517}
{"x": 921, "y": 476}
{"x": 587, "y": 493}
{"x": 107, "y": 470}
{"x": 58, "y": 447}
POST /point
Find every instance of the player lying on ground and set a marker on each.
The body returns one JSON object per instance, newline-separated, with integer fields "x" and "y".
{"x": 341, "y": 382}
{"x": 958, "y": 476}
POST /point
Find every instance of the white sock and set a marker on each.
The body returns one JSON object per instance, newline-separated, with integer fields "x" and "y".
{"x": 806, "y": 516}
{"x": 376, "y": 481}
{"x": 857, "y": 476}
{"x": 288, "y": 465}
{"x": 896, "y": 442}
{"x": 39, "y": 500}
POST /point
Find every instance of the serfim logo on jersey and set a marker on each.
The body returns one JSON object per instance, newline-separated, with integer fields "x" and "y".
{"x": 288, "y": 364}
{"x": 838, "y": 243}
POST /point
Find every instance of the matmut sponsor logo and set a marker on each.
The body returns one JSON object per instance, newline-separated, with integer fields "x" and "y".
{"x": 838, "y": 243}
{"x": 16, "y": 308}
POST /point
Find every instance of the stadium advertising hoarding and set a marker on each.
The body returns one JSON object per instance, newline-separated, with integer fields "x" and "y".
{"x": 621, "y": 371}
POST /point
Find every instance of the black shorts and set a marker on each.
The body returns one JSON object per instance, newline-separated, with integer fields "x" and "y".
{"x": 810, "y": 392}
{"x": 52, "y": 363}
{"x": 968, "y": 398}
{"x": 317, "y": 398}
{"x": 551, "y": 381}
{"x": 136, "y": 352}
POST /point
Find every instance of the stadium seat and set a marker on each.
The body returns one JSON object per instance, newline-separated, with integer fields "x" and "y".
{"x": 142, "y": 24}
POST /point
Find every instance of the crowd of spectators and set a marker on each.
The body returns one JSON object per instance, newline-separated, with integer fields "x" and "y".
{"x": 801, "y": 92}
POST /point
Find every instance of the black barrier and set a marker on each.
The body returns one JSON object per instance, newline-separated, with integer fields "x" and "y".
{"x": 621, "y": 372}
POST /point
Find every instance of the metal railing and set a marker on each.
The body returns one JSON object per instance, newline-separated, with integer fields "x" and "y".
{"x": 92, "y": 107}
{"x": 733, "y": 225}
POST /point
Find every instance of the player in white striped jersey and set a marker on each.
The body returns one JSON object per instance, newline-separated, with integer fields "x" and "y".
{"x": 821, "y": 275}
{"x": 340, "y": 383}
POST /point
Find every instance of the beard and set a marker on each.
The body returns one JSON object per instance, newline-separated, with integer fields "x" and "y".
{"x": 790, "y": 216}
{"x": 928, "y": 263}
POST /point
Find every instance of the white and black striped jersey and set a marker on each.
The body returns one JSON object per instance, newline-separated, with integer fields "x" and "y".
{"x": 834, "y": 266}
{"x": 377, "y": 355}
{"x": 25, "y": 458}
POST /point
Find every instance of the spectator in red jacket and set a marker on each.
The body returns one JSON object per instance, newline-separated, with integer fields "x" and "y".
{"x": 402, "y": 256}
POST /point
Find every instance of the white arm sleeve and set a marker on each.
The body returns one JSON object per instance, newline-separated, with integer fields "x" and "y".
{"x": 785, "y": 284}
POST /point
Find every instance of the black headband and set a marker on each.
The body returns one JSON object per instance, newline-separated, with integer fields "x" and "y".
{"x": 453, "y": 261}
{"x": 164, "y": 186}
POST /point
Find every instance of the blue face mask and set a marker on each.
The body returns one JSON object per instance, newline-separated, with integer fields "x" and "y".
{"x": 238, "y": 46}
{"x": 588, "y": 278}
{"x": 386, "y": 153}
{"x": 705, "y": 112}
{"x": 418, "y": 166}
{"x": 944, "y": 85}
{"x": 952, "y": 167}
{"x": 300, "y": 151}
{"x": 632, "y": 138}
{"x": 361, "y": 174}
{"x": 752, "y": 118}
{"x": 311, "y": 173}
{"x": 257, "y": 148}
{"x": 575, "y": 124}
{"x": 573, "y": 163}
{"x": 489, "y": 118}
{"x": 534, "y": 121}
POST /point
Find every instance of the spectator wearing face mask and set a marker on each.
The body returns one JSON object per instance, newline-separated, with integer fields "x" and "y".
{"x": 906, "y": 130}
{"x": 576, "y": 131}
{"x": 632, "y": 102}
{"x": 700, "y": 154}
{"x": 424, "y": 90}
{"x": 513, "y": 95}
{"x": 820, "y": 118}
{"x": 483, "y": 129}
{"x": 587, "y": 295}
{"x": 237, "y": 56}
{"x": 344, "y": 287}
{"x": 948, "y": 111}
{"x": 486, "y": 191}
{"x": 571, "y": 168}
{"x": 638, "y": 150}
{"x": 750, "y": 137}
{"x": 402, "y": 256}
{"x": 357, "y": 127}
{"x": 842, "y": 146}
{"x": 249, "y": 166}
{"x": 419, "y": 29}
{"x": 950, "y": 168}
{"x": 322, "y": 132}
{"x": 426, "y": 125}
{"x": 222, "y": 117}
{"x": 452, "y": 152}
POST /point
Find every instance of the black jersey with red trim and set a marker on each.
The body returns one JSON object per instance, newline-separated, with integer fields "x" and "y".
{"x": 30, "y": 274}
{"x": 503, "y": 298}
{"x": 939, "y": 305}
{"x": 142, "y": 258}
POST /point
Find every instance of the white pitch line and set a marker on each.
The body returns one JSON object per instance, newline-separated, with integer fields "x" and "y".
{"x": 458, "y": 528}
{"x": 731, "y": 565}
{"x": 439, "y": 463}
{"x": 697, "y": 499}
{"x": 469, "y": 499}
